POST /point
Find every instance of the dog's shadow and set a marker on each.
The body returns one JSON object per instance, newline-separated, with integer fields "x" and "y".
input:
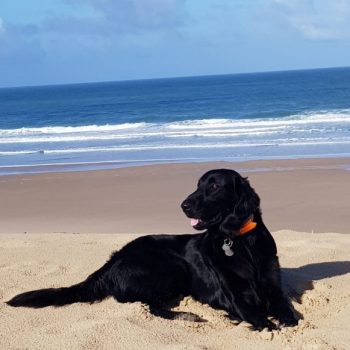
{"x": 296, "y": 281}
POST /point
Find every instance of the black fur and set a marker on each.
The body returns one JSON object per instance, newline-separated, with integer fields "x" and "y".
{"x": 160, "y": 269}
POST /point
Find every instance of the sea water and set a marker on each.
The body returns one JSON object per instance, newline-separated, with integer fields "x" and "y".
{"x": 291, "y": 114}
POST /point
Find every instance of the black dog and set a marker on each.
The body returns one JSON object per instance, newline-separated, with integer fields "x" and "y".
{"x": 231, "y": 266}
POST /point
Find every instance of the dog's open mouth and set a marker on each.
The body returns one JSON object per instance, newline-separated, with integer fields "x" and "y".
{"x": 199, "y": 224}
{"x": 195, "y": 222}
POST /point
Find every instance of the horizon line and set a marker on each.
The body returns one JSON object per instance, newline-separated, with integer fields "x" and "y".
{"x": 169, "y": 77}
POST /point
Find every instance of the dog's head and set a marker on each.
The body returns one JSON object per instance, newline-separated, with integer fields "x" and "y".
{"x": 223, "y": 199}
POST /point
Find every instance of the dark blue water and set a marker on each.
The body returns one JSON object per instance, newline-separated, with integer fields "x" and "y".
{"x": 242, "y": 116}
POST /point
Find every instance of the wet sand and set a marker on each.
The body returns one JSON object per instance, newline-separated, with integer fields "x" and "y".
{"x": 310, "y": 195}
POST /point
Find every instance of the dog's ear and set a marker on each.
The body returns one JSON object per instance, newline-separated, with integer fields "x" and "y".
{"x": 247, "y": 202}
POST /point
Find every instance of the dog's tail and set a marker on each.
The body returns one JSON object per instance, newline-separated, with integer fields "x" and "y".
{"x": 94, "y": 288}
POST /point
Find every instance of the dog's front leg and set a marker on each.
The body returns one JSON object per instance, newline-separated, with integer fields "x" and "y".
{"x": 278, "y": 303}
{"x": 249, "y": 312}
{"x": 281, "y": 308}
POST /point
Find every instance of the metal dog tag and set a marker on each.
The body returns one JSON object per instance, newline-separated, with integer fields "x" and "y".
{"x": 227, "y": 247}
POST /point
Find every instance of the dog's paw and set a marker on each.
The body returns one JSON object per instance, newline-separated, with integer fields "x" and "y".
{"x": 266, "y": 324}
{"x": 288, "y": 321}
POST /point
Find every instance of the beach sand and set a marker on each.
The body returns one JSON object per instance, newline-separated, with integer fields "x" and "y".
{"x": 315, "y": 268}
{"x": 310, "y": 195}
{"x": 85, "y": 210}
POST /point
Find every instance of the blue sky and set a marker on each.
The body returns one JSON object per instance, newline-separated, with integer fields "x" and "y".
{"x": 63, "y": 41}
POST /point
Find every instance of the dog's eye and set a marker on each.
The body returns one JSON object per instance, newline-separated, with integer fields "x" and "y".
{"x": 213, "y": 187}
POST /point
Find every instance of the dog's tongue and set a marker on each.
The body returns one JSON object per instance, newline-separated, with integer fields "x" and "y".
{"x": 194, "y": 222}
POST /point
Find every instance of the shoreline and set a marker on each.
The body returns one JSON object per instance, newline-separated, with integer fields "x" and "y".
{"x": 9, "y": 170}
{"x": 309, "y": 195}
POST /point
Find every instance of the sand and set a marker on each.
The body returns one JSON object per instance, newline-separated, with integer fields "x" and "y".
{"x": 315, "y": 270}
{"x": 72, "y": 221}
{"x": 310, "y": 195}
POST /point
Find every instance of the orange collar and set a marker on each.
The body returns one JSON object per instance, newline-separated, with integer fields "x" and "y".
{"x": 247, "y": 227}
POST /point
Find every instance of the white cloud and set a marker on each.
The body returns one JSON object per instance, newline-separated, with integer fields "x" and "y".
{"x": 2, "y": 27}
{"x": 131, "y": 15}
{"x": 316, "y": 20}
{"x": 19, "y": 45}
{"x": 110, "y": 25}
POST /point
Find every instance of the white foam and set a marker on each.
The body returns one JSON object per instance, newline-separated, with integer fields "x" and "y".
{"x": 332, "y": 127}
{"x": 15, "y": 153}
{"x": 342, "y": 116}
{"x": 145, "y": 147}
{"x": 297, "y": 119}
{"x": 70, "y": 129}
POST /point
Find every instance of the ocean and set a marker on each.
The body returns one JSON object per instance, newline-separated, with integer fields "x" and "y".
{"x": 290, "y": 114}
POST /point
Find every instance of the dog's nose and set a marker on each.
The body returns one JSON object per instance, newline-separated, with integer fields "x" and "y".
{"x": 185, "y": 205}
